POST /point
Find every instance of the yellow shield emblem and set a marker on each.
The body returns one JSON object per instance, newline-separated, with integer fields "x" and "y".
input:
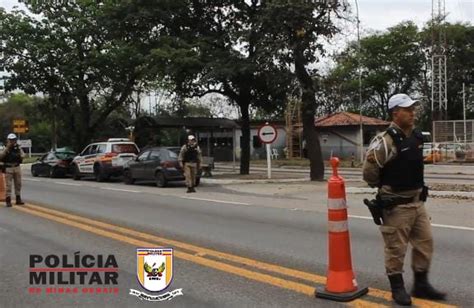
{"x": 155, "y": 268}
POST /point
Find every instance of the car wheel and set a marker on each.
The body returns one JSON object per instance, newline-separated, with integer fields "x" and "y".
{"x": 33, "y": 172}
{"x": 52, "y": 173}
{"x": 160, "y": 179}
{"x": 76, "y": 174}
{"x": 127, "y": 177}
{"x": 99, "y": 174}
{"x": 198, "y": 180}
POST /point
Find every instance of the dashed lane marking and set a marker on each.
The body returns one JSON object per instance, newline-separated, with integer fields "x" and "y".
{"x": 433, "y": 225}
{"x": 119, "y": 189}
{"x": 68, "y": 184}
{"x": 218, "y": 201}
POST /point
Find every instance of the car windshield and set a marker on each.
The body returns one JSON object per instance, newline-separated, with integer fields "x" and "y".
{"x": 124, "y": 148}
{"x": 65, "y": 155}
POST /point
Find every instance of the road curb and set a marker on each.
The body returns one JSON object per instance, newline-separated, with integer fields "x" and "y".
{"x": 434, "y": 193}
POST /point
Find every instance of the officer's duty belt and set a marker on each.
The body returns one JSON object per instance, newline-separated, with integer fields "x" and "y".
{"x": 393, "y": 201}
{"x": 11, "y": 165}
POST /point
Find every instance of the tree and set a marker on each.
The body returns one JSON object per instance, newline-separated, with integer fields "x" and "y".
{"x": 30, "y": 108}
{"x": 390, "y": 62}
{"x": 399, "y": 61}
{"x": 292, "y": 36}
{"x": 223, "y": 55}
{"x": 86, "y": 55}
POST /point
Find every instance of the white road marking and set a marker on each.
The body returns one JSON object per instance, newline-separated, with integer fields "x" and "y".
{"x": 31, "y": 180}
{"x": 434, "y": 225}
{"x": 219, "y": 201}
{"x": 118, "y": 189}
{"x": 66, "y": 183}
{"x": 453, "y": 227}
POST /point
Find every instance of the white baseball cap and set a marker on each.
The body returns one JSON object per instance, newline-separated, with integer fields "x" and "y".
{"x": 191, "y": 137}
{"x": 11, "y": 136}
{"x": 400, "y": 100}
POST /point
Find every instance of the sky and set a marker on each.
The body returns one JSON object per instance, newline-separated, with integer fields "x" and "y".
{"x": 381, "y": 14}
{"x": 378, "y": 15}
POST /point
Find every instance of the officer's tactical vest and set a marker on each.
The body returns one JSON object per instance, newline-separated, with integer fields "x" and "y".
{"x": 191, "y": 154}
{"x": 405, "y": 171}
{"x": 13, "y": 156}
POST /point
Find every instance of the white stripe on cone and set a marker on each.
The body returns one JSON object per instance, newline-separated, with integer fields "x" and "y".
{"x": 338, "y": 226}
{"x": 337, "y": 204}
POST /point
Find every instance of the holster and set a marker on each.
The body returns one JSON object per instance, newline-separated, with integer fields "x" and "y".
{"x": 424, "y": 193}
{"x": 380, "y": 203}
{"x": 375, "y": 210}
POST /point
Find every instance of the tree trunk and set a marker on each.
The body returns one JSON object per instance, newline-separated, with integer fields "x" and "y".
{"x": 308, "y": 109}
{"x": 245, "y": 141}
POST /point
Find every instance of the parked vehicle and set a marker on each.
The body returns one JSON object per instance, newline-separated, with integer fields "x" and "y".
{"x": 104, "y": 159}
{"x": 54, "y": 164}
{"x": 448, "y": 150}
{"x": 159, "y": 164}
{"x": 428, "y": 148}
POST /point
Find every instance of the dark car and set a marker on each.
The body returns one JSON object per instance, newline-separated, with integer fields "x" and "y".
{"x": 54, "y": 164}
{"x": 159, "y": 164}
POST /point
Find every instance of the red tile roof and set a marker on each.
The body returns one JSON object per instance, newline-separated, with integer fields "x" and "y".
{"x": 346, "y": 118}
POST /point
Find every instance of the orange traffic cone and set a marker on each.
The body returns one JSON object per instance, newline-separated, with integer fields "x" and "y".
{"x": 2, "y": 186}
{"x": 341, "y": 284}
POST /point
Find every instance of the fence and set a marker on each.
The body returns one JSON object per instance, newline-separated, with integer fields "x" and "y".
{"x": 453, "y": 140}
{"x": 453, "y": 131}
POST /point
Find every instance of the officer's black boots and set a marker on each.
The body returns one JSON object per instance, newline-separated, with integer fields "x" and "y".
{"x": 423, "y": 289}
{"x": 19, "y": 201}
{"x": 399, "y": 294}
{"x": 8, "y": 202}
{"x": 190, "y": 190}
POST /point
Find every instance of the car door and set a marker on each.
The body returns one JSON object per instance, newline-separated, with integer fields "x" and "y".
{"x": 151, "y": 164}
{"x": 39, "y": 165}
{"x": 80, "y": 160}
{"x": 90, "y": 159}
{"x": 138, "y": 166}
{"x": 48, "y": 163}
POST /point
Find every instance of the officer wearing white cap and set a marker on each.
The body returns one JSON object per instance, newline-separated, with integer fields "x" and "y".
{"x": 190, "y": 159}
{"x": 394, "y": 164}
{"x": 12, "y": 156}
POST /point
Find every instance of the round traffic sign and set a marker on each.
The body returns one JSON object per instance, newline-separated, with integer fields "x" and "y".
{"x": 267, "y": 133}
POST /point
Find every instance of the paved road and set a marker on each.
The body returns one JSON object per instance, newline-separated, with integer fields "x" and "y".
{"x": 234, "y": 247}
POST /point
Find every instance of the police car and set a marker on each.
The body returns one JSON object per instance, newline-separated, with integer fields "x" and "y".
{"x": 104, "y": 159}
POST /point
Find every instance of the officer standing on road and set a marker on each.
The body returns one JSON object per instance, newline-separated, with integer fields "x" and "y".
{"x": 190, "y": 159}
{"x": 12, "y": 156}
{"x": 394, "y": 164}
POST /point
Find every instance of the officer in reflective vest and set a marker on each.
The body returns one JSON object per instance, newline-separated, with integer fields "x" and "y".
{"x": 394, "y": 164}
{"x": 190, "y": 159}
{"x": 12, "y": 156}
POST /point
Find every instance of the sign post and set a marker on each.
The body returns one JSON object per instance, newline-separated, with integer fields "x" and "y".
{"x": 268, "y": 134}
{"x": 26, "y": 143}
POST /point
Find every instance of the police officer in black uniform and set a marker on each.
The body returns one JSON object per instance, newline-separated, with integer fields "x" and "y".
{"x": 12, "y": 156}
{"x": 190, "y": 158}
{"x": 394, "y": 164}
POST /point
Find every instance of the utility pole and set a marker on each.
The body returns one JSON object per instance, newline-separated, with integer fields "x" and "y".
{"x": 439, "y": 97}
{"x": 361, "y": 129}
{"x": 464, "y": 110}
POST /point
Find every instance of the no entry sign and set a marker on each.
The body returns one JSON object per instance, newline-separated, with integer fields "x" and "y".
{"x": 267, "y": 133}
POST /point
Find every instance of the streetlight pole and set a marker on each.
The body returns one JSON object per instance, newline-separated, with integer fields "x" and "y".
{"x": 361, "y": 132}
